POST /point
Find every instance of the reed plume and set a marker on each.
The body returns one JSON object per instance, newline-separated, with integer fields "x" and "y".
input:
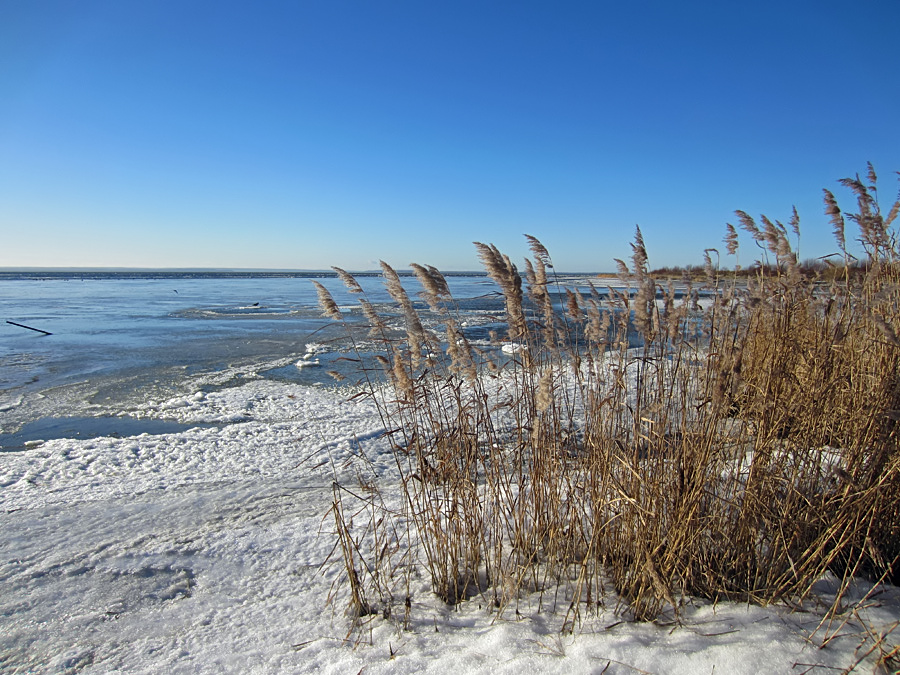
{"x": 327, "y": 303}
{"x": 833, "y": 211}
{"x": 501, "y": 269}
{"x": 415, "y": 332}
{"x": 348, "y": 280}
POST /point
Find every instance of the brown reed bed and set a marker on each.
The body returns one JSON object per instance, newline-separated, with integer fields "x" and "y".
{"x": 745, "y": 447}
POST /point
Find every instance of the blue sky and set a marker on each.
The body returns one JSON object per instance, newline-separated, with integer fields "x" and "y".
{"x": 307, "y": 134}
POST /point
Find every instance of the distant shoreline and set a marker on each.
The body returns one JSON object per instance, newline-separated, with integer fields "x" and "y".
{"x": 25, "y": 274}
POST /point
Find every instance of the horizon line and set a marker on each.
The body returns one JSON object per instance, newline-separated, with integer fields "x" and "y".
{"x": 237, "y": 270}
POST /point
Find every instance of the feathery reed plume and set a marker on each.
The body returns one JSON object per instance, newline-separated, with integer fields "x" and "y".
{"x": 783, "y": 251}
{"x": 708, "y": 264}
{"x": 392, "y": 284}
{"x": 434, "y": 286}
{"x": 385, "y": 364}
{"x": 892, "y": 214}
{"x": 749, "y": 225}
{"x": 403, "y": 384}
{"x": 501, "y": 269}
{"x": 731, "y": 239}
{"x": 443, "y": 289}
{"x": 351, "y": 283}
{"x": 573, "y": 307}
{"x": 795, "y": 223}
{"x": 639, "y": 254}
{"x": 327, "y": 303}
{"x": 874, "y": 234}
{"x": 377, "y": 326}
{"x": 415, "y": 332}
{"x": 460, "y": 352}
{"x": 771, "y": 235}
{"x": 894, "y": 210}
{"x": 492, "y": 260}
{"x": 645, "y": 301}
{"x": 539, "y": 251}
{"x": 872, "y": 178}
{"x": 833, "y": 211}
{"x": 597, "y": 329}
{"x": 536, "y": 274}
{"x": 545, "y": 396}
{"x": 864, "y": 200}
{"x": 530, "y": 275}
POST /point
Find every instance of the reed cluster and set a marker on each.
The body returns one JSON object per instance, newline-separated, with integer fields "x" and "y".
{"x": 721, "y": 438}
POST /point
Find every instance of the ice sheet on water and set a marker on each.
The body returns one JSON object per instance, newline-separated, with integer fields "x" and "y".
{"x": 35, "y": 433}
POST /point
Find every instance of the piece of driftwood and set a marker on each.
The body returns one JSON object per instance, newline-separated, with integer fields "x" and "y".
{"x": 36, "y": 330}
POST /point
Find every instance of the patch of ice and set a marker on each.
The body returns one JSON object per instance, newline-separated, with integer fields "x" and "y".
{"x": 313, "y": 348}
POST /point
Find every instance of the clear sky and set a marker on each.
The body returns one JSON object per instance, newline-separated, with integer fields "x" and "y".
{"x": 304, "y": 134}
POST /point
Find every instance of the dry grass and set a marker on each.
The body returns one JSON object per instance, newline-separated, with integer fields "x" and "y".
{"x": 744, "y": 447}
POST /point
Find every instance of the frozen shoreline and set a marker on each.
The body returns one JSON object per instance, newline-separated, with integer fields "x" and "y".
{"x": 202, "y": 551}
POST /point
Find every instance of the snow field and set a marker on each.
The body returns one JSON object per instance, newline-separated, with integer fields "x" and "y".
{"x": 203, "y": 552}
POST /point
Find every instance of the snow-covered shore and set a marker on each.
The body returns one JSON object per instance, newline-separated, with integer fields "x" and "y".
{"x": 203, "y": 552}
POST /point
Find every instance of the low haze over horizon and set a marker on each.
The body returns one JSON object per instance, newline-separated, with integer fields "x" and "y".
{"x": 299, "y": 135}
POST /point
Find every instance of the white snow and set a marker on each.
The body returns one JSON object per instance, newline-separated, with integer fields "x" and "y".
{"x": 206, "y": 552}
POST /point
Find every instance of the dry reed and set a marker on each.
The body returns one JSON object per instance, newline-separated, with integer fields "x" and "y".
{"x": 728, "y": 440}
